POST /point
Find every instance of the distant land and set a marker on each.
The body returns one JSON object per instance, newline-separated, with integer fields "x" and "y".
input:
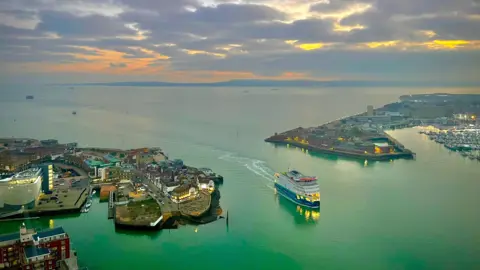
{"x": 284, "y": 83}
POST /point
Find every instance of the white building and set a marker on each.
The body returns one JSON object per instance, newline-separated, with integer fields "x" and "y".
{"x": 183, "y": 193}
{"x": 20, "y": 190}
{"x": 205, "y": 184}
{"x": 103, "y": 173}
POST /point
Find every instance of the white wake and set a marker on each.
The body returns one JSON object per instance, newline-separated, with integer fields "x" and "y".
{"x": 258, "y": 167}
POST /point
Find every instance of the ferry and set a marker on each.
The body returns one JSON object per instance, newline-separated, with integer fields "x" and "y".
{"x": 298, "y": 188}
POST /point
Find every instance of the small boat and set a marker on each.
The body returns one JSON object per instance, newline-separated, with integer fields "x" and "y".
{"x": 93, "y": 192}
{"x": 88, "y": 204}
{"x": 74, "y": 112}
{"x": 29, "y": 97}
{"x": 85, "y": 210}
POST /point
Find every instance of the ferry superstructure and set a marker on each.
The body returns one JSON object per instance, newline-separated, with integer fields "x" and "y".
{"x": 22, "y": 189}
{"x": 298, "y": 188}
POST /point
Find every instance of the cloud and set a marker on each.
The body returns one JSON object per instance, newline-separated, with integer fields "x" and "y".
{"x": 241, "y": 38}
{"x": 162, "y": 6}
{"x": 335, "y": 5}
{"x": 233, "y": 13}
{"x": 67, "y": 25}
{"x": 450, "y": 27}
{"x": 118, "y": 65}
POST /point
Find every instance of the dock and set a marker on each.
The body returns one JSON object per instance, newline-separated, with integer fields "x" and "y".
{"x": 351, "y": 154}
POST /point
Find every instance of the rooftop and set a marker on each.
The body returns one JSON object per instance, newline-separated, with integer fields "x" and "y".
{"x": 181, "y": 189}
{"x": 31, "y": 252}
{"x": 27, "y": 173}
{"x": 23, "y": 175}
{"x": 92, "y": 163}
{"x": 48, "y": 233}
{"x": 9, "y": 237}
{"x": 111, "y": 158}
{"x": 204, "y": 180}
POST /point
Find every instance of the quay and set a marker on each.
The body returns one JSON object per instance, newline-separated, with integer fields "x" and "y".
{"x": 407, "y": 154}
{"x": 362, "y": 135}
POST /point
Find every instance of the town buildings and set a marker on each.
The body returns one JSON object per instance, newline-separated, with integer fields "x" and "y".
{"x": 28, "y": 249}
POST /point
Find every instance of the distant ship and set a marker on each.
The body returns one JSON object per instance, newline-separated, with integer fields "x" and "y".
{"x": 74, "y": 112}
{"x": 29, "y": 97}
{"x": 298, "y": 188}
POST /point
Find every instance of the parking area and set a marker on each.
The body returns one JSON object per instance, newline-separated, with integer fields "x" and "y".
{"x": 62, "y": 199}
{"x": 68, "y": 183}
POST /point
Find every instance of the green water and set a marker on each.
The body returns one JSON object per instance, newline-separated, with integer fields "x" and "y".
{"x": 406, "y": 214}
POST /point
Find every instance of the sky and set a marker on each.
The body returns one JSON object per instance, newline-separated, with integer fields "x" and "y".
{"x": 75, "y": 41}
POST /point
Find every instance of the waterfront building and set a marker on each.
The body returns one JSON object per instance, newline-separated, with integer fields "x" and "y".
{"x": 21, "y": 190}
{"x": 28, "y": 249}
{"x": 47, "y": 177}
{"x": 183, "y": 193}
{"x": 205, "y": 183}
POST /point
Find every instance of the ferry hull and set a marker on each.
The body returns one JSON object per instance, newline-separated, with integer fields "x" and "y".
{"x": 293, "y": 197}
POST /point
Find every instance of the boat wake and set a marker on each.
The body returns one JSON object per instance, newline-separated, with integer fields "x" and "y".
{"x": 258, "y": 167}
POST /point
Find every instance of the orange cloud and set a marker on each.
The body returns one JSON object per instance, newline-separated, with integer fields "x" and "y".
{"x": 108, "y": 61}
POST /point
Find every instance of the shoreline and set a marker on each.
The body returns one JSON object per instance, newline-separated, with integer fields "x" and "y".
{"x": 408, "y": 154}
{"x": 362, "y": 135}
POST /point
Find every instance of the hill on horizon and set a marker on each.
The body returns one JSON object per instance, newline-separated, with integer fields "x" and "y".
{"x": 283, "y": 83}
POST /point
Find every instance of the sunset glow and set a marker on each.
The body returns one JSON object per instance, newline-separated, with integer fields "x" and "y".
{"x": 244, "y": 40}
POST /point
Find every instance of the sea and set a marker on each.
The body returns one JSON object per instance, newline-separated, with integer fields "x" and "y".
{"x": 401, "y": 214}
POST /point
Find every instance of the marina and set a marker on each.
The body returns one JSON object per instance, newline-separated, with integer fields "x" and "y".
{"x": 462, "y": 139}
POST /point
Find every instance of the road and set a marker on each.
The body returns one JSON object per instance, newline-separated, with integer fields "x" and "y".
{"x": 165, "y": 203}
